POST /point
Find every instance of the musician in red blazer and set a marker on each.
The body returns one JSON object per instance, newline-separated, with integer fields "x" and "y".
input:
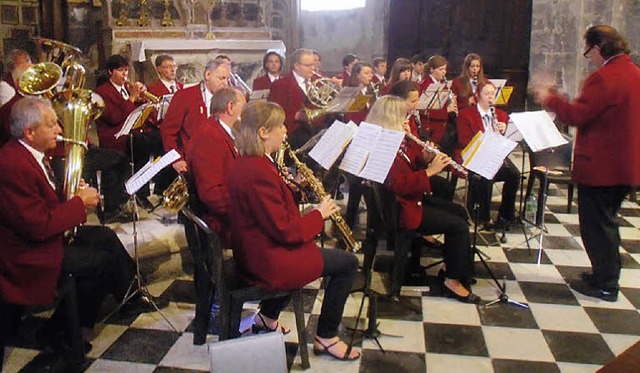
{"x": 361, "y": 76}
{"x": 379, "y": 71}
{"x": 272, "y": 64}
{"x": 464, "y": 86}
{"x": 347, "y": 64}
{"x": 436, "y": 119}
{"x": 289, "y": 93}
{"x": 190, "y": 107}
{"x": 209, "y": 156}
{"x": 606, "y": 161}
{"x": 409, "y": 179}
{"x": 166, "y": 83}
{"x": 479, "y": 118}
{"x": 273, "y": 245}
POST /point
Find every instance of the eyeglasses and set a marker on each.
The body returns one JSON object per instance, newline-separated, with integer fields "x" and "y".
{"x": 307, "y": 64}
{"x": 585, "y": 54}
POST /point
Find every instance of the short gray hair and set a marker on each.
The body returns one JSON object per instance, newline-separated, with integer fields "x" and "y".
{"x": 296, "y": 56}
{"x": 27, "y": 113}
{"x": 221, "y": 99}
{"x": 214, "y": 64}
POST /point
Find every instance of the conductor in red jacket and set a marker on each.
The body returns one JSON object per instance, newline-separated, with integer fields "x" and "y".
{"x": 190, "y": 107}
{"x": 209, "y": 156}
{"x": 272, "y": 243}
{"x": 272, "y": 64}
{"x": 476, "y": 119}
{"x": 606, "y": 158}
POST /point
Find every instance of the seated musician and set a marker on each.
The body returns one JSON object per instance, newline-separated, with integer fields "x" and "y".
{"x": 379, "y": 71}
{"x": 347, "y": 64}
{"x": 464, "y": 86}
{"x": 418, "y": 63}
{"x": 190, "y": 107}
{"x": 478, "y": 118}
{"x": 272, "y": 243}
{"x": 209, "y": 156}
{"x": 33, "y": 219}
{"x": 17, "y": 62}
{"x": 272, "y": 64}
{"x": 400, "y": 70}
{"x": 436, "y": 119}
{"x": 409, "y": 179}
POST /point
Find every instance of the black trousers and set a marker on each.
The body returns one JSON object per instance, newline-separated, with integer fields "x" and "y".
{"x": 115, "y": 171}
{"x": 598, "y": 207}
{"x": 480, "y": 191}
{"x": 340, "y": 268}
{"x": 100, "y": 265}
{"x": 9, "y": 320}
{"x": 441, "y": 216}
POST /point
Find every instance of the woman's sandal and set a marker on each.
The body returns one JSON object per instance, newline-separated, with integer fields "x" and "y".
{"x": 259, "y": 329}
{"x": 325, "y": 350}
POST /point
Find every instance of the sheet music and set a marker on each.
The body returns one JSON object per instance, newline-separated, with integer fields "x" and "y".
{"x": 260, "y": 94}
{"x": 163, "y": 105}
{"x": 148, "y": 171}
{"x": 131, "y": 120}
{"x": 499, "y": 83}
{"x": 358, "y": 152}
{"x": 488, "y": 154}
{"x": 380, "y": 160}
{"x": 434, "y": 97}
{"x": 332, "y": 143}
{"x": 537, "y": 129}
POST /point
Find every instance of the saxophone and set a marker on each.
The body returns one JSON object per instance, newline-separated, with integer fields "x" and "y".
{"x": 318, "y": 189}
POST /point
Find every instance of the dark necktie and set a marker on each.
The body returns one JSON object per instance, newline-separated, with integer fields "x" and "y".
{"x": 487, "y": 121}
{"x": 124, "y": 93}
{"x": 172, "y": 89}
{"x": 47, "y": 167}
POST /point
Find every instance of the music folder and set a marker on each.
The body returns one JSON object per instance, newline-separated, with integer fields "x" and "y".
{"x": 163, "y": 106}
{"x": 332, "y": 143}
{"x": 135, "y": 119}
{"x": 536, "y": 128}
{"x": 503, "y": 92}
{"x": 349, "y": 99}
{"x": 148, "y": 171}
{"x": 486, "y": 152}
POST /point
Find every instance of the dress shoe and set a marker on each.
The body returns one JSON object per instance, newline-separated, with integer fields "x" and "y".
{"x": 588, "y": 278}
{"x": 143, "y": 303}
{"x": 584, "y": 288}
{"x": 470, "y": 298}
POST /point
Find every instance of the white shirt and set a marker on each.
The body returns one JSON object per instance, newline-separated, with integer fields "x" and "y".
{"x": 272, "y": 77}
{"x": 433, "y": 80}
{"x": 416, "y": 77}
{"x": 301, "y": 82}
{"x": 169, "y": 84}
{"x": 120, "y": 88}
{"x": 6, "y": 92}
{"x": 380, "y": 78}
{"x": 38, "y": 155}
{"x": 487, "y": 127}
{"x": 207, "y": 96}
{"x": 227, "y": 128}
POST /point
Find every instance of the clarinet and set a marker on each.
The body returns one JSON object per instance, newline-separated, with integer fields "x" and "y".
{"x": 474, "y": 84}
{"x": 494, "y": 119}
{"x": 315, "y": 184}
{"x": 444, "y": 80}
{"x": 456, "y": 166}
{"x": 421, "y": 131}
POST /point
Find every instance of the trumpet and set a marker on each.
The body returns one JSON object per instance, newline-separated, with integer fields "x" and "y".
{"x": 150, "y": 96}
{"x": 240, "y": 84}
{"x": 433, "y": 150}
{"x": 318, "y": 189}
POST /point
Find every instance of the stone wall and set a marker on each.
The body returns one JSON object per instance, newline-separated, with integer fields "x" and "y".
{"x": 336, "y": 33}
{"x": 557, "y": 31}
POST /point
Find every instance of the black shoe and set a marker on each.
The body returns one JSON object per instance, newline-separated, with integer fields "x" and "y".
{"x": 471, "y": 298}
{"x": 584, "y": 288}
{"x": 143, "y": 304}
{"x": 588, "y": 278}
{"x": 117, "y": 216}
{"x": 144, "y": 203}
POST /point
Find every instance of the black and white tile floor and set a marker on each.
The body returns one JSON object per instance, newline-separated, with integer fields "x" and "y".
{"x": 561, "y": 332}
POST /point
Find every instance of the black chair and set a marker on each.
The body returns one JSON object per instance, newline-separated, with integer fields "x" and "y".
{"x": 222, "y": 278}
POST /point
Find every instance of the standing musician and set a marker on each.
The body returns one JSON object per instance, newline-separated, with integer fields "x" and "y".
{"x": 33, "y": 219}
{"x": 272, "y": 243}
{"x": 272, "y": 64}
{"x": 409, "y": 178}
{"x": 479, "y": 118}
{"x": 465, "y": 85}
{"x": 418, "y": 63}
{"x": 190, "y": 107}
{"x": 166, "y": 83}
{"x": 379, "y": 71}
{"x": 290, "y": 93}
{"x": 347, "y": 64}
{"x": 400, "y": 70}
{"x": 437, "y": 119}
{"x": 209, "y": 155}
{"x": 606, "y": 160}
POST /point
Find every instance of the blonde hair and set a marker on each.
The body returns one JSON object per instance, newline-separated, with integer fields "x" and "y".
{"x": 389, "y": 112}
{"x": 257, "y": 114}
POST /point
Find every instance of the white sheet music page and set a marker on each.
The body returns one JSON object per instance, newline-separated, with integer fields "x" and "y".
{"x": 538, "y": 130}
{"x": 260, "y": 94}
{"x": 358, "y": 151}
{"x": 492, "y": 149}
{"x": 499, "y": 83}
{"x": 381, "y": 158}
{"x": 430, "y": 98}
{"x": 148, "y": 171}
{"x": 131, "y": 120}
{"x": 163, "y": 105}
{"x": 332, "y": 143}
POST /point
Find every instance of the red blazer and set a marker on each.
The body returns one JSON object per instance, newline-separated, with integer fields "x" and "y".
{"x": 376, "y": 80}
{"x": 287, "y": 93}
{"x": 5, "y": 118}
{"x": 607, "y": 115}
{"x": 209, "y": 155}
{"x": 115, "y": 113}
{"x": 186, "y": 111}
{"x": 32, "y": 222}
{"x": 469, "y": 123}
{"x": 386, "y": 89}
{"x": 409, "y": 181}
{"x": 435, "y": 119}
{"x": 159, "y": 89}
{"x": 262, "y": 82}
{"x": 273, "y": 245}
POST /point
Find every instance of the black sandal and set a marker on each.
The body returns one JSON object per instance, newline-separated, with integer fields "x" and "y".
{"x": 325, "y": 350}
{"x": 259, "y": 329}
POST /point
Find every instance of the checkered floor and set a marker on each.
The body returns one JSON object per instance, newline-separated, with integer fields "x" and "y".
{"x": 562, "y": 331}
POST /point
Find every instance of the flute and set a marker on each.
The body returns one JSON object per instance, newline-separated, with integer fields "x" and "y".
{"x": 456, "y": 166}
